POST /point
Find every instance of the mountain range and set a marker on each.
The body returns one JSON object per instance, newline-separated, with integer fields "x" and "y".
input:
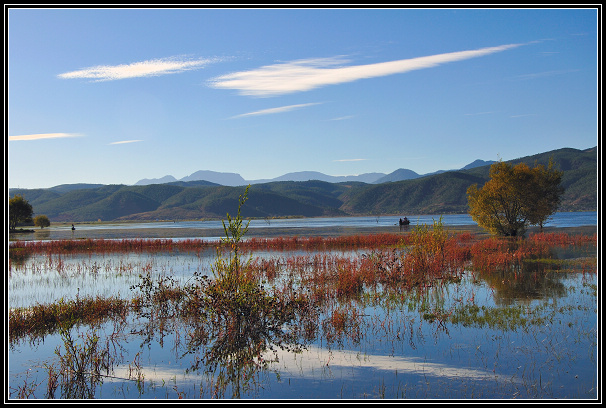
{"x": 234, "y": 179}
{"x": 400, "y": 193}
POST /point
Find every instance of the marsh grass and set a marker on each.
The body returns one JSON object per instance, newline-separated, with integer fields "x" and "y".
{"x": 42, "y": 319}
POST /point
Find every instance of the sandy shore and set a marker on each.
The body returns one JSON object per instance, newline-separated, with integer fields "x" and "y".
{"x": 267, "y": 232}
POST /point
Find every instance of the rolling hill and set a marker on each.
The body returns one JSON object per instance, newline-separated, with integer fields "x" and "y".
{"x": 438, "y": 193}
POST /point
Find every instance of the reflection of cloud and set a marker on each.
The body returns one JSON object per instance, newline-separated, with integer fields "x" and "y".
{"x": 313, "y": 362}
{"x": 276, "y": 110}
{"x": 157, "y": 374}
{"x": 308, "y": 362}
{"x": 154, "y": 67}
{"x": 304, "y": 75}
{"x": 43, "y": 136}
{"x": 126, "y": 141}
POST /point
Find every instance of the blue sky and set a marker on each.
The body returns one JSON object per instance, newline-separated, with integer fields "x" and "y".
{"x": 114, "y": 96}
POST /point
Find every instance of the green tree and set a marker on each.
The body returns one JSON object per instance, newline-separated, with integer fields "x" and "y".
{"x": 546, "y": 193}
{"x": 41, "y": 221}
{"x": 515, "y": 197}
{"x": 19, "y": 211}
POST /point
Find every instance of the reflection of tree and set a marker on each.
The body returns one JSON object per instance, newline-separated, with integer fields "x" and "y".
{"x": 525, "y": 280}
{"x": 18, "y": 256}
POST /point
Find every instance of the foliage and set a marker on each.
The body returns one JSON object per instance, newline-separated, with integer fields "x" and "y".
{"x": 41, "y": 221}
{"x": 515, "y": 196}
{"x": 19, "y": 211}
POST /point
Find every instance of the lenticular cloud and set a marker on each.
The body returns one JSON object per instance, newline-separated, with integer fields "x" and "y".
{"x": 147, "y": 68}
{"x": 304, "y": 75}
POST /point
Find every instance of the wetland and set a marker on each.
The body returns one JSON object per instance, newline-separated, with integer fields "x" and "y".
{"x": 432, "y": 312}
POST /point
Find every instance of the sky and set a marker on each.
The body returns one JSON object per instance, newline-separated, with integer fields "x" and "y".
{"x": 113, "y": 96}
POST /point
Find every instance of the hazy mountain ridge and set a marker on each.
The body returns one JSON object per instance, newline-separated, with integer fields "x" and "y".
{"x": 440, "y": 193}
{"x": 235, "y": 179}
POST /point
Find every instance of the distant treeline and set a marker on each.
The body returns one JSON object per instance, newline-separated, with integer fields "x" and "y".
{"x": 442, "y": 193}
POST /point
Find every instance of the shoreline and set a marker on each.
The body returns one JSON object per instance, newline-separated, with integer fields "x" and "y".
{"x": 259, "y": 232}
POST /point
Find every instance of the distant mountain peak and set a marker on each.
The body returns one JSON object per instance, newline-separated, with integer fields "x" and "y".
{"x": 161, "y": 180}
{"x": 478, "y": 163}
{"x": 225, "y": 179}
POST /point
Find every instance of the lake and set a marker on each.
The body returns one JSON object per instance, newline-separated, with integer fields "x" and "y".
{"x": 529, "y": 332}
{"x": 327, "y": 226}
{"x": 559, "y": 219}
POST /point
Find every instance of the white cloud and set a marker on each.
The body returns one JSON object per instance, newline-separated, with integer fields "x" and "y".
{"x": 308, "y": 74}
{"x": 43, "y": 136}
{"x": 349, "y": 160}
{"x": 126, "y": 141}
{"x": 276, "y": 110}
{"x": 154, "y": 67}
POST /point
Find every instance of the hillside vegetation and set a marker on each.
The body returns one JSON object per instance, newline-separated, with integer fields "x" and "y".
{"x": 434, "y": 194}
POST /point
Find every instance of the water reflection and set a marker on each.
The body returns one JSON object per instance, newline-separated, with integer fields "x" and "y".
{"x": 233, "y": 351}
{"x": 531, "y": 278}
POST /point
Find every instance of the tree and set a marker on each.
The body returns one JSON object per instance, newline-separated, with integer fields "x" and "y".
{"x": 41, "y": 221}
{"x": 19, "y": 211}
{"x": 515, "y": 197}
{"x": 547, "y": 193}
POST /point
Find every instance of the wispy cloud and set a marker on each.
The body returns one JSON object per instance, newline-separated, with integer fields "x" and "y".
{"x": 543, "y": 74}
{"x": 153, "y": 67}
{"x": 342, "y": 118}
{"x": 349, "y": 160}
{"x": 125, "y": 141}
{"x": 277, "y": 110}
{"x": 308, "y": 74}
{"x": 40, "y": 136}
{"x": 523, "y": 115}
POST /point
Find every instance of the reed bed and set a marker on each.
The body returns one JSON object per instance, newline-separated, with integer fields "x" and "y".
{"x": 42, "y": 319}
{"x": 22, "y": 248}
{"x": 506, "y": 253}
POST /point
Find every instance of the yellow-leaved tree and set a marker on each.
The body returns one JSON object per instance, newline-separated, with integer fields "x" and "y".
{"x": 515, "y": 197}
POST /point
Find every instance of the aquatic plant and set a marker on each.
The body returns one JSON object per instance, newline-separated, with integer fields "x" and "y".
{"x": 42, "y": 319}
{"x": 81, "y": 367}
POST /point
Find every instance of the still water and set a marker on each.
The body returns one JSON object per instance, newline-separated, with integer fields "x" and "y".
{"x": 547, "y": 350}
{"x": 560, "y": 219}
{"x": 398, "y": 353}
